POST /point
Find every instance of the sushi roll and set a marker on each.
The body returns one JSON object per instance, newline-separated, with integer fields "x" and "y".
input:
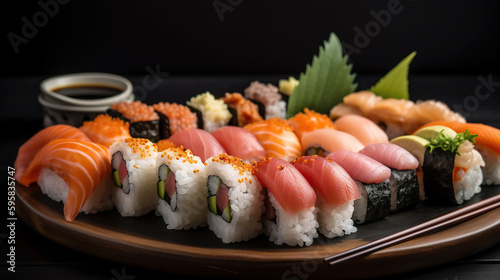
{"x": 277, "y": 138}
{"x": 487, "y": 144}
{"x": 144, "y": 121}
{"x": 290, "y": 213}
{"x": 404, "y": 182}
{"x": 451, "y": 166}
{"x": 267, "y": 97}
{"x": 75, "y": 172}
{"x": 174, "y": 117}
{"x": 213, "y": 112}
{"x": 181, "y": 189}
{"x": 133, "y": 165}
{"x": 326, "y": 140}
{"x": 235, "y": 201}
{"x": 336, "y": 192}
{"x": 309, "y": 120}
{"x": 243, "y": 110}
{"x": 372, "y": 179}
{"x": 106, "y": 130}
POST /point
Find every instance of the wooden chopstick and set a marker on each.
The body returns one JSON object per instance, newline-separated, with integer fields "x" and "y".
{"x": 433, "y": 225}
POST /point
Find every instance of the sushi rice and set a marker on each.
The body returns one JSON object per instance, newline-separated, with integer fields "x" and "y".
{"x": 190, "y": 202}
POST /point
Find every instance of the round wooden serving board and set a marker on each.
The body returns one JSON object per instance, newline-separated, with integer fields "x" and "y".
{"x": 146, "y": 242}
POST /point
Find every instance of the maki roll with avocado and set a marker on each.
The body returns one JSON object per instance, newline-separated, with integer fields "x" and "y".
{"x": 451, "y": 167}
{"x": 234, "y": 199}
{"x": 181, "y": 189}
{"x": 144, "y": 121}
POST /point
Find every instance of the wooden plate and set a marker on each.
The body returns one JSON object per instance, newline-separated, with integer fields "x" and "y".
{"x": 146, "y": 242}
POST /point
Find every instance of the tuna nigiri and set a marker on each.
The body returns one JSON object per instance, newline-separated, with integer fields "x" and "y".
{"x": 391, "y": 155}
{"x": 106, "y": 130}
{"x": 365, "y": 130}
{"x": 290, "y": 215}
{"x": 326, "y": 140}
{"x": 28, "y": 150}
{"x": 199, "y": 141}
{"x": 361, "y": 167}
{"x": 81, "y": 164}
{"x": 277, "y": 138}
{"x": 336, "y": 191}
{"x": 240, "y": 143}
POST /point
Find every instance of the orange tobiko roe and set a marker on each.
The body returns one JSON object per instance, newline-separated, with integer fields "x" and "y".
{"x": 135, "y": 111}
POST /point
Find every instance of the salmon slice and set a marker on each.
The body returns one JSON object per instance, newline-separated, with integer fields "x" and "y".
{"x": 290, "y": 188}
{"x": 391, "y": 155}
{"x": 365, "y": 130}
{"x": 361, "y": 167}
{"x": 330, "y": 140}
{"x": 240, "y": 143}
{"x": 328, "y": 178}
{"x": 200, "y": 142}
{"x": 28, "y": 150}
{"x": 81, "y": 164}
{"x": 277, "y": 138}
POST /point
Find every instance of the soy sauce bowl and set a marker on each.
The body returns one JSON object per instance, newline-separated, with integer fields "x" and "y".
{"x": 86, "y": 89}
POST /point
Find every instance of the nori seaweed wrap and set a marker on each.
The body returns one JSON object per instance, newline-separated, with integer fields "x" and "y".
{"x": 140, "y": 129}
{"x": 404, "y": 189}
{"x": 438, "y": 176}
{"x": 374, "y": 204}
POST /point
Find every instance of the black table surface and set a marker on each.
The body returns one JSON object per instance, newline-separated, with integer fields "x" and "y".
{"x": 40, "y": 258}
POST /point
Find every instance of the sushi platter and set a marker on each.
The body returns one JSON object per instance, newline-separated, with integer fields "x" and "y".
{"x": 274, "y": 178}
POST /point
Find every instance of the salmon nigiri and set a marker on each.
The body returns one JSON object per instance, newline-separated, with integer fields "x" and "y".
{"x": 200, "y": 142}
{"x": 326, "y": 140}
{"x": 277, "y": 138}
{"x": 240, "y": 143}
{"x": 81, "y": 164}
{"x": 28, "y": 150}
{"x": 365, "y": 130}
{"x": 361, "y": 167}
{"x": 290, "y": 215}
{"x": 336, "y": 191}
{"x": 487, "y": 144}
{"x": 106, "y": 130}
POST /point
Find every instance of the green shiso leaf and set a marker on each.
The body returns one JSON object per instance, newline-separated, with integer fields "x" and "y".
{"x": 446, "y": 143}
{"x": 325, "y": 82}
{"x": 395, "y": 83}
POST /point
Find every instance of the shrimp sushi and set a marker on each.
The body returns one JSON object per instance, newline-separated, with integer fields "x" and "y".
{"x": 404, "y": 182}
{"x": 336, "y": 192}
{"x": 245, "y": 111}
{"x": 290, "y": 213}
{"x": 424, "y": 112}
{"x": 277, "y": 138}
{"x": 106, "y": 130}
{"x": 309, "y": 120}
{"x": 28, "y": 150}
{"x": 133, "y": 164}
{"x": 268, "y": 98}
{"x": 144, "y": 121}
{"x": 235, "y": 201}
{"x": 181, "y": 189}
{"x": 372, "y": 179}
{"x": 240, "y": 143}
{"x": 200, "y": 142}
{"x": 365, "y": 130}
{"x": 212, "y": 112}
{"x": 75, "y": 172}
{"x": 487, "y": 144}
{"x": 326, "y": 140}
{"x": 174, "y": 117}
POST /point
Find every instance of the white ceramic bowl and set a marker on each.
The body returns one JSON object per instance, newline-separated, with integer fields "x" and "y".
{"x": 67, "y": 109}
{"x": 81, "y": 80}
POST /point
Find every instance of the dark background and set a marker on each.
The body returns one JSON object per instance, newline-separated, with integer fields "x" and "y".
{"x": 253, "y": 37}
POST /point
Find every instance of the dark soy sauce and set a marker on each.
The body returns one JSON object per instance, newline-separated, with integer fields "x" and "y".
{"x": 88, "y": 91}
